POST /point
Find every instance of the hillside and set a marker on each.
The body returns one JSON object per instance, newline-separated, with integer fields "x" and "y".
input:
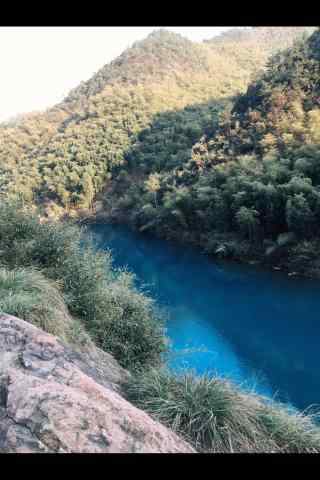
{"x": 252, "y": 47}
{"x": 163, "y": 93}
{"x": 250, "y": 189}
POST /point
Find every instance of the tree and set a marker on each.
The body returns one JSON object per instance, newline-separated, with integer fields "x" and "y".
{"x": 300, "y": 218}
{"x": 314, "y": 126}
{"x": 247, "y": 220}
{"x": 88, "y": 189}
{"x": 153, "y": 186}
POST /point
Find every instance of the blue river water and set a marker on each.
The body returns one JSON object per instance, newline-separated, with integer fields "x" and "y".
{"x": 258, "y": 328}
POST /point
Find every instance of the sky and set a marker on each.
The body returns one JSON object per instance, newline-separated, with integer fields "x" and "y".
{"x": 40, "y": 65}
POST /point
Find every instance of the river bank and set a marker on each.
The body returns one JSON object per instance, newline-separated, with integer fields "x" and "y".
{"x": 224, "y": 246}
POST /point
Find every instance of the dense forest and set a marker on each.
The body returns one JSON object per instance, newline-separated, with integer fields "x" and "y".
{"x": 250, "y": 187}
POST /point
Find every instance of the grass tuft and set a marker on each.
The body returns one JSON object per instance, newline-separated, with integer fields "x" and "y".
{"x": 27, "y": 294}
{"x": 215, "y": 416}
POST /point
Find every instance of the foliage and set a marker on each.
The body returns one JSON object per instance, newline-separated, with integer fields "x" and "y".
{"x": 129, "y": 326}
{"x": 120, "y": 319}
{"x": 62, "y": 158}
{"x": 255, "y": 175}
{"x": 215, "y": 416}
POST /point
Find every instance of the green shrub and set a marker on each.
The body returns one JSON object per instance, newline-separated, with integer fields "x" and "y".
{"x": 304, "y": 257}
{"x": 215, "y": 416}
{"x": 227, "y": 246}
{"x": 129, "y": 326}
{"x": 26, "y": 242}
{"x": 122, "y": 321}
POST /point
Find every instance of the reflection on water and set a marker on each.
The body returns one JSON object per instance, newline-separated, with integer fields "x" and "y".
{"x": 257, "y": 327}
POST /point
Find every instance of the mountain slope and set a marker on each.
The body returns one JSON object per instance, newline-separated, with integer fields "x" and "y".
{"x": 162, "y": 54}
{"x": 251, "y": 188}
{"x": 65, "y": 156}
{"x": 252, "y": 47}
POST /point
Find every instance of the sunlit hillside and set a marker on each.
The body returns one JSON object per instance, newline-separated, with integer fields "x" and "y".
{"x": 63, "y": 157}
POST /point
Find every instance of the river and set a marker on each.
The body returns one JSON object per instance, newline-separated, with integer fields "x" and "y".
{"x": 258, "y": 328}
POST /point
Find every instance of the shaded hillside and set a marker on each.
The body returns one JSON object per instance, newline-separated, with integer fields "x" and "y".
{"x": 252, "y": 186}
{"x": 63, "y": 157}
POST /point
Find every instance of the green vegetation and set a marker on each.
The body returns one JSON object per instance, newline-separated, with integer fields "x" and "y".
{"x": 253, "y": 180}
{"x": 73, "y": 281}
{"x": 215, "y": 416}
{"x": 61, "y": 159}
{"x": 166, "y": 137}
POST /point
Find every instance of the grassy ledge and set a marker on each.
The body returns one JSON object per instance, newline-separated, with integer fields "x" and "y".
{"x": 216, "y": 416}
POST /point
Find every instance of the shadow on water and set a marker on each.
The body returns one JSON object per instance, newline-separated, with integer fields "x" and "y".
{"x": 259, "y": 328}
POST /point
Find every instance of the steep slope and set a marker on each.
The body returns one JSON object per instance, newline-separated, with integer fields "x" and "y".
{"x": 65, "y": 156}
{"x": 52, "y": 402}
{"x": 251, "y": 187}
{"x": 162, "y": 54}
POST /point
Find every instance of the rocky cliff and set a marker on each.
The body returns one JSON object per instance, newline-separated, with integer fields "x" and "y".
{"x": 55, "y": 399}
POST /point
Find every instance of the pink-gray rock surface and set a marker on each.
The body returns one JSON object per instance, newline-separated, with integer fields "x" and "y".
{"x": 55, "y": 399}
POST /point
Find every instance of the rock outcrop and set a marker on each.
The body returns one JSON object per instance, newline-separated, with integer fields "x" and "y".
{"x": 55, "y": 399}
